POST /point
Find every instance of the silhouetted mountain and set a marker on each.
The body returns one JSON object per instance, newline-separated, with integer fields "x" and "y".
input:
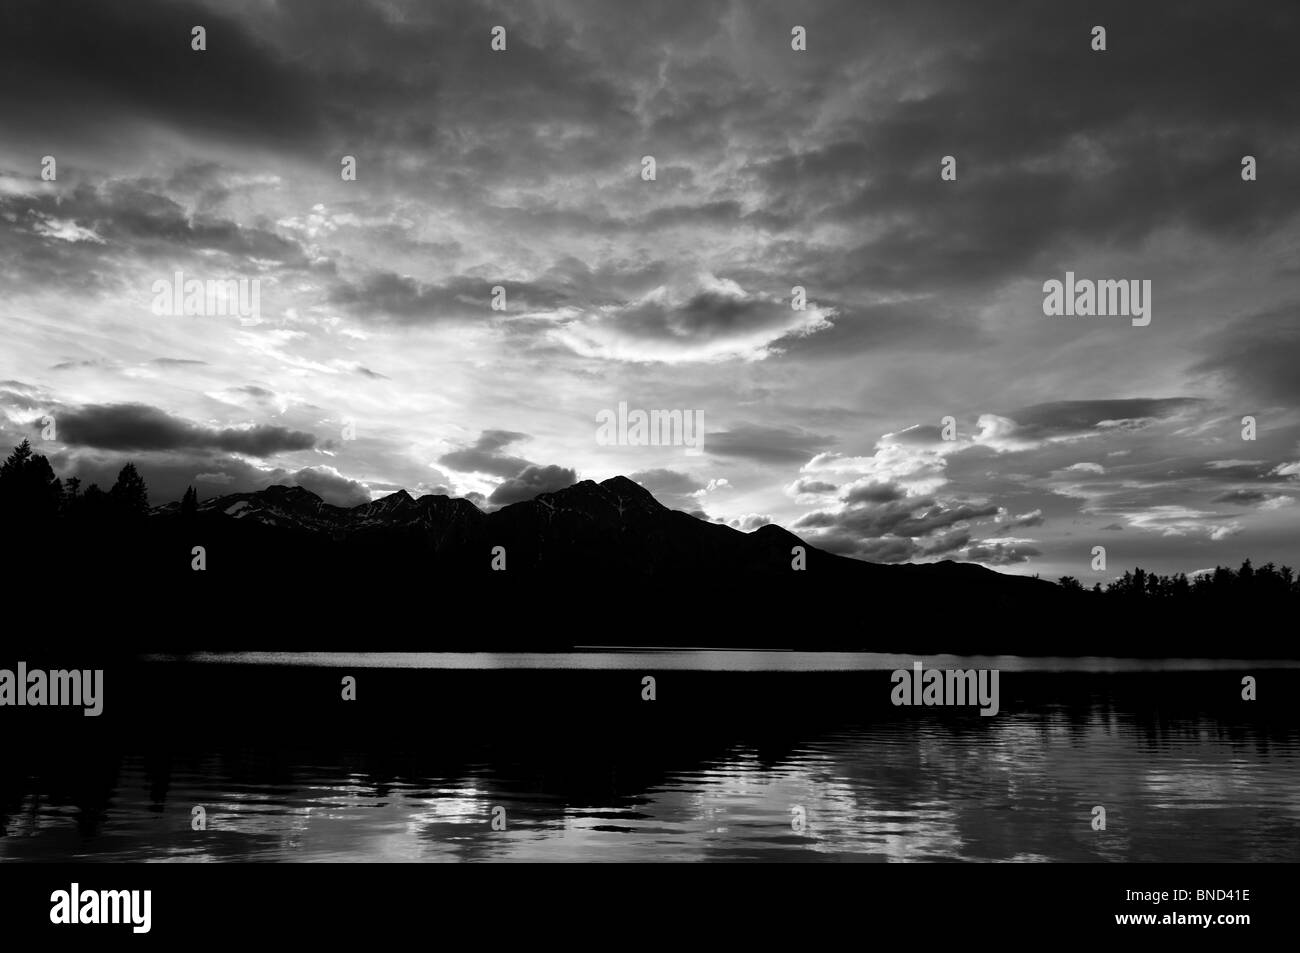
{"x": 591, "y": 564}
{"x": 616, "y": 527}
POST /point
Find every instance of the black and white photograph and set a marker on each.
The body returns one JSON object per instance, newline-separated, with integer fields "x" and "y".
{"x": 625, "y": 432}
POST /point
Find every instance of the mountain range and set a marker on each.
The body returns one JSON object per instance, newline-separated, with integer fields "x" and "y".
{"x": 612, "y": 527}
{"x": 589, "y": 565}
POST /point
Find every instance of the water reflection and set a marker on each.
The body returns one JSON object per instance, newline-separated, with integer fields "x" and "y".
{"x": 1013, "y": 788}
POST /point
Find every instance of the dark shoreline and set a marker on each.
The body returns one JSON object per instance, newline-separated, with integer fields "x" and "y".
{"x": 176, "y": 698}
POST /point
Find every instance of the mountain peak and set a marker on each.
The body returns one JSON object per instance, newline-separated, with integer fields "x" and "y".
{"x": 400, "y": 498}
{"x": 288, "y": 491}
{"x": 626, "y": 487}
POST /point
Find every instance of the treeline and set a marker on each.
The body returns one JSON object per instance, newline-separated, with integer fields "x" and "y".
{"x": 31, "y": 491}
{"x": 1220, "y": 585}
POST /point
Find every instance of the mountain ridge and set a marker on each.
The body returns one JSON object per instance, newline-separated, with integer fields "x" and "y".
{"x": 612, "y": 526}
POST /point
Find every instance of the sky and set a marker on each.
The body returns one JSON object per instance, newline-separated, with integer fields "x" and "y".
{"x": 376, "y": 360}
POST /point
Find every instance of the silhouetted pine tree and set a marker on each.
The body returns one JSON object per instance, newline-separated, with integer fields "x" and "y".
{"x": 15, "y": 462}
{"x": 189, "y": 503}
{"x": 129, "y": 494}
{"x": 29, "y": 489}
{"x": 94, "y": 502}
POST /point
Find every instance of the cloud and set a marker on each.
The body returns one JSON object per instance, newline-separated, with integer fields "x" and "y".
{"x": 137, "y": 224}
{"x": 881, "y": 521}
{"x": 331, "y": 486}
{"x": 1265, "y": 501}
{"x": 141, "y": 427}
{"x": 678, "y": 491}
{"x": 213, "y": 479}
{"x": 1000, "y": 552}
{"x": 915, "y": 516}
{"x": 67, "y": 231}
{"x": 532, "y": 481}
{"x": 238, "y": 86}
{"x": 800, "y": 487}
{"x": 1032, "y": 518}
{"x": 764, "y": 444}
{"x": 1244, "y": 497}
{"x": 1072, "y": 419}
{"x": 1257, "y": 354}
{"x": 750, "y": 522}
{"x": 701, "y": 320}
{"x": 876, "y": 493}
{"x": 484, "y": 455}
{"x": 167, "y": 475}
{"x": 406, "y": 300}
{"x": 1174, "y": 520}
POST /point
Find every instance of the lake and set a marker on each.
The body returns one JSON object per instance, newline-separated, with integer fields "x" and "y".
{"x": 740, "y": 756}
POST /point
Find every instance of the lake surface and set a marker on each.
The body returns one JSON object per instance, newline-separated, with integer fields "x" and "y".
{"x": 713, "y": 660}
{"x": 741, "y": 757}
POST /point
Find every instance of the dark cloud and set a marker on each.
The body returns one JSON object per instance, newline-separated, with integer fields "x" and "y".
{"x": 812, "y": 486}
{"x": 1069, "y": 175}
{"x": 765, "y": 444}
{"x": 667, "y": 481}
{"x": 108, "y": 62}
{"x": 132, "y": 214}
{"x": 1073, "y": 417}
{"x": 1242, "y": 497}
{"x": 909, "y": 516}
{"x": 704, "y": 315}
{"x": 884, "y": 549}
{"x": 692, "y": 317}
{"x": 880, "y": 522}
{"x": 167, "y": 475}
{"x": 948, "y": 543}
{"x": 130, "y": 220}
{"x": 678, "y": 491}
{"x": 141, "y": 427}
{"x": 331, "y": 486}
{"x": 1258, "y": 355}
{"x": 532, "y": 481}
{"x": 484, "y": 455}
{"x": 874, "y": 493}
